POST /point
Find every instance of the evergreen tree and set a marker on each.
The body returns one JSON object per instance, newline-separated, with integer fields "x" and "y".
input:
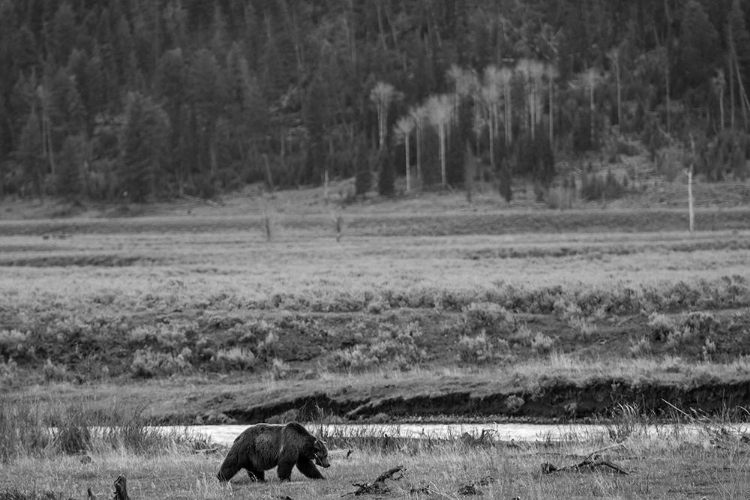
{"x": 70, "y": 167}
{"x": 207, "y": 95}
{"x": 63, "y": 32}
{"x": 144, "y": 134}
{"x": 740, "y": 40}
{"x": 699, "y": 45}
{"x": 29, "y": 153}
{"x": 315, "y": 122}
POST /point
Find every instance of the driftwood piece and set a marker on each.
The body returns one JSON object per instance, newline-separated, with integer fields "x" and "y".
{"x": 473, "y": 488}
{"x": 121, "y": 488}
{"x": 588, "y": 463}
{"x": 378, "y": 486}
{"x": 594, "y": 459}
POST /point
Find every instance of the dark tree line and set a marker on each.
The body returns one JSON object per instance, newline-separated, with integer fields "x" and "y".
{"x": 162, "y": 98}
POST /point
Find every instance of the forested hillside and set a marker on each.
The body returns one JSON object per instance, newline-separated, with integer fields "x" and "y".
{"x": 161, "y": 98}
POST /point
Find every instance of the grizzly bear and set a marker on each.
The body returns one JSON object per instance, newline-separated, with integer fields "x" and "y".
{"x": 264, "y": 446}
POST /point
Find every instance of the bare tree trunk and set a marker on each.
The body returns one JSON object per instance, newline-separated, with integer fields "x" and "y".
{"x": 551, "y": 115}
{"x": 419, "y": 151}
{"x": 442, "y": 134}
{"x": 619, "y": 93}
{"x": 493, "y": 134}
{"x": 691, "y": 213}
{"x": 408, "y": 168}
{"x": 669, "y": 98}
{"x": 268, "y": 172}
{"x": 731, "y": 90}
{"x": 690, "y": 198}
{"x": 593, "y": 110}
{"x": 744, "y": 102}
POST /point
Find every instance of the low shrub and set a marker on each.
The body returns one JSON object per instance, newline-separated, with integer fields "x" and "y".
{"x": 480, "y": 348}
{"x": 147, "y": 363}
{"x": 487, "y": 316}
{"x": 541, "y": 343}
{"x": 8, "y": 373}
{"x": 661, "y": 327}
{"x": 236, "y": 358}
{"x": 54, "y": 372}
{"x": 13, "y": 343}
{"x": 641, "y": 347}
{"x": 393, "y": 346}
{"x": 279, "y": 369}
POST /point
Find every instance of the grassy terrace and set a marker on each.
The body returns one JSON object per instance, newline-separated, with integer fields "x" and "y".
{"x": 202, "y": 318}
{"x": 517, "y": 315}
{"x": 180, "y": 466}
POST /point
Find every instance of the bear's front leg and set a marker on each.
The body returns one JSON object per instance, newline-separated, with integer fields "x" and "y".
{"x": 307, "y": 467}
{"x": 285, "y": 469}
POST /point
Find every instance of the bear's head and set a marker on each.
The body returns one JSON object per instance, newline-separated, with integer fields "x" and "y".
{"x": 320, "y": 453}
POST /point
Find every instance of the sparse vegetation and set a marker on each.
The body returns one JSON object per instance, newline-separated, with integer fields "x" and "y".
{"x": 181, "y": 301}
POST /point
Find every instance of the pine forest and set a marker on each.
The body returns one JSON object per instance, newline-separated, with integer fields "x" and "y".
{"x": 157, "y": 99}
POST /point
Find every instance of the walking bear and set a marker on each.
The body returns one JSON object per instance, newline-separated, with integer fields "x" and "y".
{"x": 264, "y": 446}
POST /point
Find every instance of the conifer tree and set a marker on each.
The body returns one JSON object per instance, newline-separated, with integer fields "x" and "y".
{"x": 699, "y": 45}
{"x": 70, "y": 171}
{"x": 144, "y": 134}
{"x": 30, "y": 155}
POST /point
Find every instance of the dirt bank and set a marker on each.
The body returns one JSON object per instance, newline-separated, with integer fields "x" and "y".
{"x": 555, "y": 402}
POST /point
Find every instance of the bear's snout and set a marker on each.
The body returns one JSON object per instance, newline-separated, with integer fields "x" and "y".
{"x": 322, "y": 461}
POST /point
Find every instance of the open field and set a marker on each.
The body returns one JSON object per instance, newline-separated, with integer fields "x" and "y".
{"x": 670, "y": 464}
{"x": 205, "y": 320}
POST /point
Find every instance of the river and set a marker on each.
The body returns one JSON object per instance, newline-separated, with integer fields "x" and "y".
{"x": 225, "y": 434}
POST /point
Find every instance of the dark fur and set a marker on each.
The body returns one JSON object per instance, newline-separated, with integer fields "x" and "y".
{"x": 264, "y": 446}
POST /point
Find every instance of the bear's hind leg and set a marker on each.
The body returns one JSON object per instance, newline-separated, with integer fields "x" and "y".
{"x": 307, "y": 467}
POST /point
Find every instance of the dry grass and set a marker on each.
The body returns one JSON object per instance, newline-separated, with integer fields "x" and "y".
{"x": 669, "y": 466}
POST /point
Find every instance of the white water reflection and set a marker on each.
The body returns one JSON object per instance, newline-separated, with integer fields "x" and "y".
{"x": 225, "y": 434}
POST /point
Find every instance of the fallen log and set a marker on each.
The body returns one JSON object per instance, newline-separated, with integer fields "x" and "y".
{"x": 589, "y": 462}
{"x": 378, "y": 486}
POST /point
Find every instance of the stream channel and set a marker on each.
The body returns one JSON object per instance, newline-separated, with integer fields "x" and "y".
{"x": 225, "y": 434}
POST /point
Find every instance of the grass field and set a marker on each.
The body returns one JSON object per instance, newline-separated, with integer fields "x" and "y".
{"x": 669, "y": 464}
{"x": 208, "y": 319}
{"x": 408, "y": 316}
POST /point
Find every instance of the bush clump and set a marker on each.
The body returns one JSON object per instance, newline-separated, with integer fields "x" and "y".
{"x": 393, "y": 346}
{"x": 148, "y": 363}
{"x": 481, "y": 348}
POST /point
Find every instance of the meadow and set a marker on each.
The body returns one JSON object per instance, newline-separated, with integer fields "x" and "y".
{"x": 670, "y": 464}
{"x": 242, "y": 318}
{"x": 373, "y": 316}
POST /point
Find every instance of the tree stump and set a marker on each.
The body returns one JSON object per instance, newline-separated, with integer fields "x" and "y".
{"x": 121, "y": 488}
